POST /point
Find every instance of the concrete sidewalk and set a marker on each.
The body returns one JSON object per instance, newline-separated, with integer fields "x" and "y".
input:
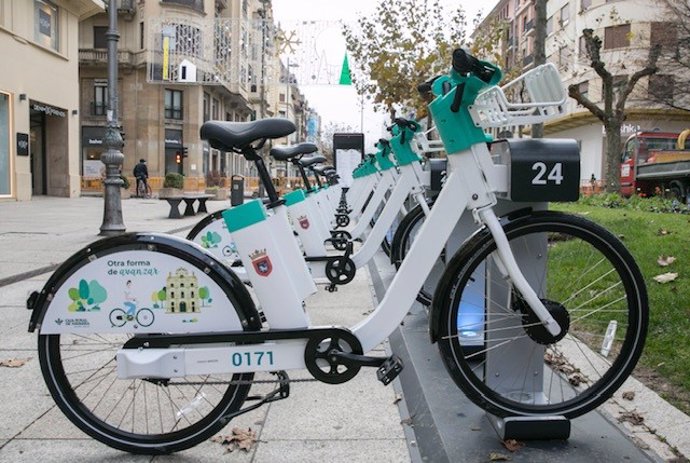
{"x": 354, "y": 422}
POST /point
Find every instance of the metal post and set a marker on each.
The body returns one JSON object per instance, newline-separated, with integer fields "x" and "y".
{"x": 112, "y": 157}
{"x": 262, "y": 110}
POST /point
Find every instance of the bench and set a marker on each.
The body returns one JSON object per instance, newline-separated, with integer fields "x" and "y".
{"x": 189, "y": 199}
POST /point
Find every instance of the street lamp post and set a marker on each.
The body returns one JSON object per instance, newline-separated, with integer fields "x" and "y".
{"x": 112, "y": 157}
{"x": 287, "y": 104}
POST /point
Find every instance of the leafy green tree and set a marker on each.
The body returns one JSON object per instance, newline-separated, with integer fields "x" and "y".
{"x": 204, "y": 295}
{"x": 404, "y": 44}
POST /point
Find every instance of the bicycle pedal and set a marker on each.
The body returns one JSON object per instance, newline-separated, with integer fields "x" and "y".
{"x": 389, "y": 370}
{"x": 331, "y": 288}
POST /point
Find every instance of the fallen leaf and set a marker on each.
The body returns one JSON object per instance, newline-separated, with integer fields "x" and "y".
{"x": 665, "y": 277}
{"x": 665, "y": 261}
{"x": 662, "y": 232}
{"x": 633, "y": 418}
{"x": 629, "y": 395}
{"x": 513, "y": 445}
{"x": 242, "y": 439}
{"x": 477, "y": 428}
{"x": 495, "y": 456}
{"x": 576, "y": 379}
{"x": 398, "y": 398}
{"x": 14, "y": 363}
{"x": 407, "y": 421}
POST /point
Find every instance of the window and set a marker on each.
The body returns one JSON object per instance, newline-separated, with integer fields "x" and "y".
{"x": 617, "y": 36}
{"x": 215, "y": 109}
{"x": 5, "y": 174}
{"x": 187, "y": 40}
{"x": 46, "y": 24}
{"x": 563, "y": 56}
{"x": 173, "y": 104}
{"x": 565, "y": 13}
{"x": 664, "y": 34}
{"x": 141, "y": 35}
{"x": 584, "y": 4}
{"x": 281, "y": 98}
{"x": 661, "y": 86}
{"x": 549, "y": 26}
{"x": 99, "y": 38}
{"x": 100, "y": 98}
{"x": 207, "y": 113}
{"x": 583, "y": 47}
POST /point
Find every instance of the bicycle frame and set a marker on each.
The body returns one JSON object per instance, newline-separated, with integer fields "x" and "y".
{"x": 470, "y": 185}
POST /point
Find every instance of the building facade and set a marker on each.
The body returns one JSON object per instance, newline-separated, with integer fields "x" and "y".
{"x": 39, "y": 96}
{"x": 628, "y": 28}
{"x": 181, "y": 63}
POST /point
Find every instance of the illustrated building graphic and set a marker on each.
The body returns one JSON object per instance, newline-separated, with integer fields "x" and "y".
{"x": 182, "y": 292}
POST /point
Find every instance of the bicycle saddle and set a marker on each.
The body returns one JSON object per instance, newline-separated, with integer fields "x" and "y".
{"x": 306, "y": 162}
{"x": 234, "y": 136}
{"x": 283, "y": 153}
{"x": 322, "y": 169}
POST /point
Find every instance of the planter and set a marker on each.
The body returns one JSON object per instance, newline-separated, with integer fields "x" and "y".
{"x": 220, "y": 194}
{"x": 169, "y": 192}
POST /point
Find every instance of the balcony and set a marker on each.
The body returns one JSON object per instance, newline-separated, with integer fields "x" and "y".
{"x": 196, "y": 5}
{"x": 97, "y": 57}
{"x": 527, "y": 60}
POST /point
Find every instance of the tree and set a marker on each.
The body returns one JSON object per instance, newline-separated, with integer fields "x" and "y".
{"x": 539, "y": 49}
{"x": 326, "y": 137}
{"x": 406, "y": 43}
{"x": 612, "y": 114}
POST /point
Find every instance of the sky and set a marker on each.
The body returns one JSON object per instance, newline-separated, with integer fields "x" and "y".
{"x": 336, "y": 103}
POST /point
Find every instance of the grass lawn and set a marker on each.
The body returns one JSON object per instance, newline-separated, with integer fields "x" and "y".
{"x": 665, "y": 363}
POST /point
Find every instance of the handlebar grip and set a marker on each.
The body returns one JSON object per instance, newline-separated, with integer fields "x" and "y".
{"x": 465, "y": 63}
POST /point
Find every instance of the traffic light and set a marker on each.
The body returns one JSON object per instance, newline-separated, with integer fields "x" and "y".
{"x": 178, "y": 157}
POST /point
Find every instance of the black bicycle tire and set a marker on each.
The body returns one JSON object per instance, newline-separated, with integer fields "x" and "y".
{"x": 73, "y": 408}
{"x": 459, "y": 270}
{"x": 398, "y": 246}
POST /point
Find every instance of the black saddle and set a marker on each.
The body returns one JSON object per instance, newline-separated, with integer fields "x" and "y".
{"x": 234, "y": 136}
{"x": 306, "y": 162}
{"x": 321, "y": 170}
{"x": 283, "y": 153}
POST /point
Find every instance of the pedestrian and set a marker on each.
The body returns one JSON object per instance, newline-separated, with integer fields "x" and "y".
{"x": 141, "y": 173}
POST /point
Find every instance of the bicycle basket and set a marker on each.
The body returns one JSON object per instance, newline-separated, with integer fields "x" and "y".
{"x": 537, "y": 96}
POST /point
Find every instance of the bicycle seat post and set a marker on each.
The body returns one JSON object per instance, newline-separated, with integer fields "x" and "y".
{"x": 264, "y": 176}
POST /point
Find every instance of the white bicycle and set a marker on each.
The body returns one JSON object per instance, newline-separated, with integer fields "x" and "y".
{"x": 556, "y": 287}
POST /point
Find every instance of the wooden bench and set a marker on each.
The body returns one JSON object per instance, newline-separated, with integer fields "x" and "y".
{"x": 189, "y": 199}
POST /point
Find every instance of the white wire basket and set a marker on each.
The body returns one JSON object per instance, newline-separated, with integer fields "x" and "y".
{"x": 537, "y": 96}
{"x": 427, "y": 145}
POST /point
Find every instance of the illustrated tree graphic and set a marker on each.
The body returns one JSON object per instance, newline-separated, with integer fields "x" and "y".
{"x": 87, "y": 296}
{"x": 205, "y": 296}
{"x": 158, "y": 298}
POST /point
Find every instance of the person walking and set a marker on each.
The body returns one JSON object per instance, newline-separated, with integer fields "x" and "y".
{"x": 141, "y": 173}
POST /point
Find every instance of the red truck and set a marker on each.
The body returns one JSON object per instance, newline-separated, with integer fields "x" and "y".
{"x": 656, "y": 163}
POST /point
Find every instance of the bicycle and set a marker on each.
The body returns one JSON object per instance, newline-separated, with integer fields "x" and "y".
{"x": 143, "y": 189}
{"x": 557, "y": 302}
{"x": 118, "y": 317}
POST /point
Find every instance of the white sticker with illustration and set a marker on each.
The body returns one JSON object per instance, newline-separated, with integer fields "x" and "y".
{"x": 216, "y": 239}
{"x": 140, "y": 292}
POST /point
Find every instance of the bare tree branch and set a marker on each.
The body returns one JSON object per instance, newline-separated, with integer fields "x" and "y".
{"x": 574, "y": 93}
{"x": 649, "y": 69}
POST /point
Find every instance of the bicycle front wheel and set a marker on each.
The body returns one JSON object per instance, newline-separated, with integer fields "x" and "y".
{"x": 145, "y": 416}
{"x": 496, "y": 349}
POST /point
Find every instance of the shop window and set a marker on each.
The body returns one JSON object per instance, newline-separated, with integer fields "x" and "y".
{"x": 5, "y": 174}
{"x": 46, "y": 23}
{"x": 173, "y": 104}
{"x": 99, "y": 38}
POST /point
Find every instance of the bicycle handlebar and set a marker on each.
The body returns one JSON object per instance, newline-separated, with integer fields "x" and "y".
{"x": 464, "y": 63}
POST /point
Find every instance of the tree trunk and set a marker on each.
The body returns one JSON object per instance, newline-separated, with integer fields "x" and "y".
{"x": 539, "y": 50}
{"x": 613, "y": 157}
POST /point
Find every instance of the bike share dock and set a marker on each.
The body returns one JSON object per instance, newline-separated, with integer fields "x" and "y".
{"x": 447, "y": 426}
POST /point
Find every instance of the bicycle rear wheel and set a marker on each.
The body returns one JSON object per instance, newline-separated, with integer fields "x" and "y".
{"x": 592, "y": 287}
